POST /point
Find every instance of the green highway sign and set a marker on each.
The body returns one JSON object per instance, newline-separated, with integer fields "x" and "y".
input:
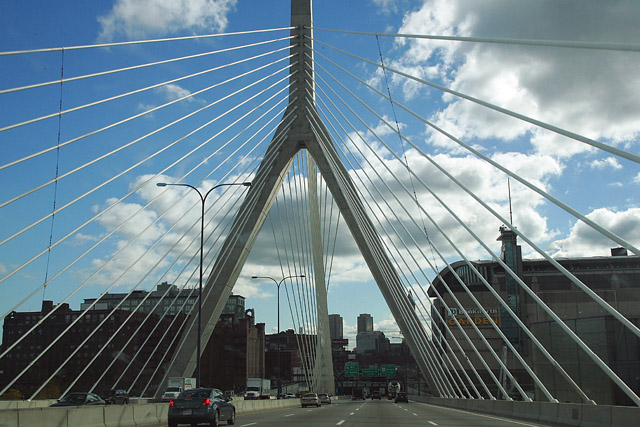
{"x": 351, "y": 369}
{"x": 388, "y": 370}
{"x": 371, "y": 371}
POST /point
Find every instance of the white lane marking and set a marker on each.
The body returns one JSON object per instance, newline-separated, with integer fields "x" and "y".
{"x": 352, "y": 413}
{"x": 290, "y": 415}
{"x": 250, "y": 424}
{"x": 479, "y": 415}
{"x": 339, "y": 422}
{"x": 431, "y": 422}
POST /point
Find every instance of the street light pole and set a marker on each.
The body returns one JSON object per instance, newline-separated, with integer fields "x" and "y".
{"x": 202, "y": 200}
{"x": 278, "y": 334}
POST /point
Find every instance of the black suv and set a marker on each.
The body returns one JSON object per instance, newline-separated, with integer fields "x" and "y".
{"x": 113, "y": 397}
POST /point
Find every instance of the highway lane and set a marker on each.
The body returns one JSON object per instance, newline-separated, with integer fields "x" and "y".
{"x": 375, "y": 413}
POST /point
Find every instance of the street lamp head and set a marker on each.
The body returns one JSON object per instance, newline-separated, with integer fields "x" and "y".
{"x": 302, "y": 275}
{"x": 247, "y": 184}
{"x": 254, "y": 277}
{"x": 161, "y": 184}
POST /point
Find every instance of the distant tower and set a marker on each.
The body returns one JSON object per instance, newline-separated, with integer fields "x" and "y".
{"x": 335, "y": 326}
{"x": 365, "y": 323}
{"x": 511, "y": 254}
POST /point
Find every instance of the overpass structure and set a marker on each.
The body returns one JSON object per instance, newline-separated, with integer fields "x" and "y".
{"x": 505, "y": 329}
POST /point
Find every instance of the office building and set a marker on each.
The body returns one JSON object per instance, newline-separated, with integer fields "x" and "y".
{"x": 616, "y": 279}
{"x": 335, "y": 327}
{"x": 365, "y": 323}
{"x": 166, "y": 299}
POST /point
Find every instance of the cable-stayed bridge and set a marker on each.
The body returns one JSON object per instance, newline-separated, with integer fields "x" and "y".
{"x": 319, "y": 131}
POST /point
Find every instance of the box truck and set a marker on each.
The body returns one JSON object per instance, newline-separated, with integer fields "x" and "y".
{"x": 257, "y": 388}
{"x": 176, "y": 385}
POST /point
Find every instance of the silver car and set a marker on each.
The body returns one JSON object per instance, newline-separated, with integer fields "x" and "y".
{"x": 310, "y": 399}
{"x": 324, "y": 398}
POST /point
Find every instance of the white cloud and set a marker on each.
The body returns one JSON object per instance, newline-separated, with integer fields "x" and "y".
{"x": 585, "y": 241}
{"x": 137, "y": 19}
{"x": 636, "y": 179}
{"x": 81, "y": 239}
{"x": 564, "y": 87}
{"x": 609, "y": 162}
{"x": 174, "y": 91}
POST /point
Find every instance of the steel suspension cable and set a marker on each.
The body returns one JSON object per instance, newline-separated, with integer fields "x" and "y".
{"x": 88, "y": 308}
{"x": 597, "y": 144}
{"x": 134, "y": 67}
{"x": 122, "y": 173}
{"x": 624, "y": 47}
{"x": 576, "y": 339}
{"x": 494, "y": 326}
{"x": 434, "y": 370}
{"x": 633, "y": 328}
{"x": 224, "y": 256}
{"x": 192, "y": 227}
{"x": 477, "y": 353}
{"x": 403, "y": 258}
{"x": 497, "y": 165}
{"x": 129, "y": 43}
{"x": 166, "y": 126}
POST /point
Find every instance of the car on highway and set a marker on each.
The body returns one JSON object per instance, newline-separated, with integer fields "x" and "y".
{"x": 115, "y": 397}
{"x": 80, "y": 399}
{"x": 290, "y": 396}
{"x": 324, "y": 398}
{"x": 201, "y": 405}
{"x": 310, "y": 399}
{"x": 376, "y": 395}
{"x": 401, "y": 397}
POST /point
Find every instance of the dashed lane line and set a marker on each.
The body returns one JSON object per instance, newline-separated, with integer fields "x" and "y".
{"x": 481, "y": 415}
{"x": 340, "y": 422}
{"x": 290, "y": 415}
{"x": 432, "y": 423}
{"x": 250, "y": 424}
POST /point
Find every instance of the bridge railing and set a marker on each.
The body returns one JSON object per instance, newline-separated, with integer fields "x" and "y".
{"x": 574, "y": 414}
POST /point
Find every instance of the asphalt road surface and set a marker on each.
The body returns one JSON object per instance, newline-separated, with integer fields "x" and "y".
{"x": 374, "y": 413}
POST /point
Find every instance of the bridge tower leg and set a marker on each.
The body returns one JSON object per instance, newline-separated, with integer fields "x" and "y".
{"x": 324, "y": 361}
{"x": 301, "y": 128}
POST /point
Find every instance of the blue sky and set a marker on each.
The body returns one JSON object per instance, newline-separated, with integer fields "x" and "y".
{"x": 592, "y": 93}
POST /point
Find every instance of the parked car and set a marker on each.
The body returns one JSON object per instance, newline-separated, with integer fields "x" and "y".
{"x": 310, "y": 399}
{"x": 290, "y": 396}
{"x": 119, "y": 397}
{"x": 401, "y": 397}
{"x": 376, "y": 395}
{"x": 324, "y": 398}
{"x": 80, "y": 399}
{"x": 201, "y": 405}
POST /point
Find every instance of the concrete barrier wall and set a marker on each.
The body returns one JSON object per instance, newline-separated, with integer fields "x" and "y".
{"x": 573, "y": 414}
{"x": 25, "y": 404}
{"x": 116, "y": 415}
